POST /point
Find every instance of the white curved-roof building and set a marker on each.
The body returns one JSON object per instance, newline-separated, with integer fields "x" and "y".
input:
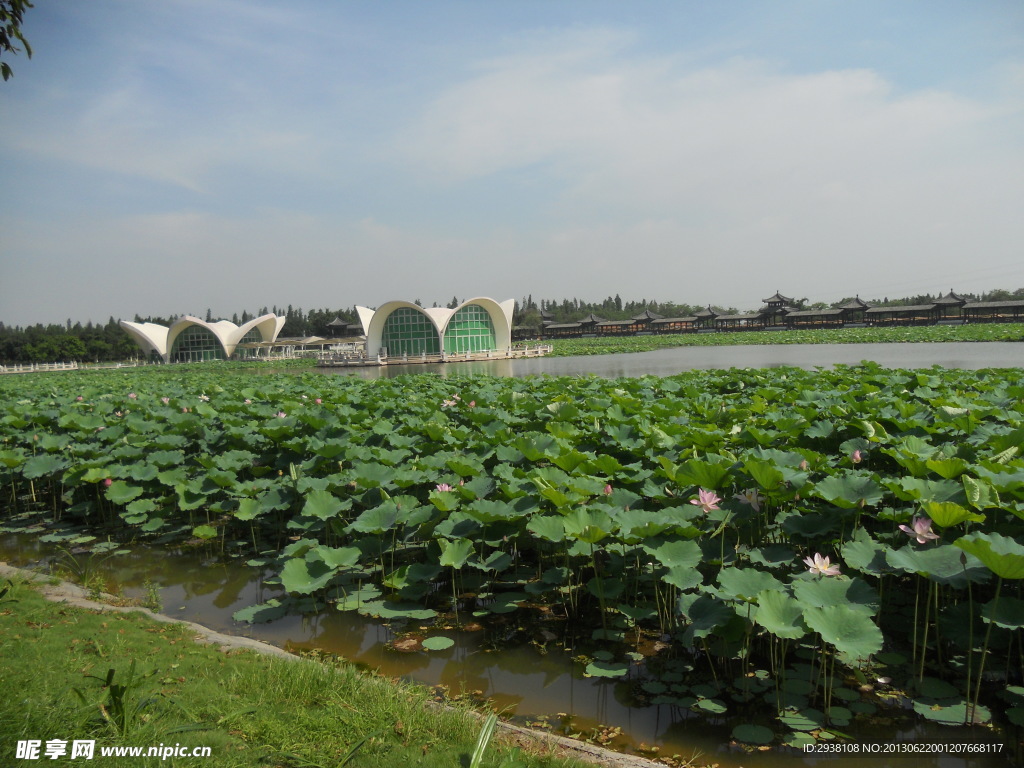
{"x": 402, "y": 328}
{"x": 190, "y": 339}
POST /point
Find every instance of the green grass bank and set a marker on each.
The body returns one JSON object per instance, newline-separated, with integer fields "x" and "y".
{"x": 123, "y": 680}
{"x": 921, "y": 334}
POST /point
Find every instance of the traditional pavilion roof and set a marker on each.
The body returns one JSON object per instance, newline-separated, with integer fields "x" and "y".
{"x": 647, "y": 315}
{"x": 814, "y": 313}
{"x": 951, "y": 298}
{"x": 605, "y": 323}
{"x": 995, "y": 304}
{"x": 777, "y": 299}
{"x": 591, "y": 318}
{"x": 550, "y": 326}
{"x": 855, "y": 303}
{"x": 900, "y": 309}
{"x": 709, "y": 312}
{"x": 337, "y": 322}
{"x": 767, "y": 309}
{"x": 747, "y": 316}
{"x": 689, "y": 319}
{"x": 546, "y": 315}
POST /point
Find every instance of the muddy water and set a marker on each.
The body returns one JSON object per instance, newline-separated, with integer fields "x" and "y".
{"x": 535, "y": 682}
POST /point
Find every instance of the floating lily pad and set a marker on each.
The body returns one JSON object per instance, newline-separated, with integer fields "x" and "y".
{"x": 438, "y": 643}
{"x": 753, "y": 734}
{"x": 606, "y": 669}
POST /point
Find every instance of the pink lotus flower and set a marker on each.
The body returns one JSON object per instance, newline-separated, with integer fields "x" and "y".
{"x": 706, "y": 500}
{"x": 108, "y": 482}
{"x": 281, "y": 414}
{"x": 132, "y": 396}
{"x": 248, "y": 401}
{"x": 318, "y": 401}
{"x": 608, "y": 489}
{"x": 752, "y": 497}
{"x": 922, "y": 530}
{"x": 442, "y": 487}
{"x": 184, "y": 410}
{"x": 165, "y": 400}
{"x": 857, "y": 457}
{"x": 448, "y": 403}
{"x": 79, "y": 398}
{"x": 820, "y": 565}
{"x": 472, "y": 403}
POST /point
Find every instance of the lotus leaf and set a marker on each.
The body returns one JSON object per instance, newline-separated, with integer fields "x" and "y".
{"x": 849, "y": 490}
{"x": 305, "y": 576}
{"x": 947, "y": 513}
{"x": 438, "y": 643}
{"x": 821, "y": 592}
{"x": 1000, "y": 554}
{"x": 780, "y": 614}
{"x": 849, "y": 629}
{"x": 745, "y": 583}
{"x": 1007, "y": 612}
{"x": 454, "y": 554}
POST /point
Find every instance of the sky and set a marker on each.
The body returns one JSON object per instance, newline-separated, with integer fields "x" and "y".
{"x": 165, "y": 158}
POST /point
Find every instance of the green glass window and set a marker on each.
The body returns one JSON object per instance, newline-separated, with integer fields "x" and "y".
{"x": 253, "y": 335}
{"x": 408, "y": 331}
{"x": 196, "y": 344}
{"x": 469, "y": 330}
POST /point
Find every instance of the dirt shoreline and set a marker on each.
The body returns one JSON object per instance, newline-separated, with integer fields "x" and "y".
{"x": 74, "y": 595}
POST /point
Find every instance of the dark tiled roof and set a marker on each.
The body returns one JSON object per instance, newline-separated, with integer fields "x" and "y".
{"x": 900, "y": 310}
{"x": 592, "y": 318}
{"x": 778, "y": 297}
{"x": 663, "y": 320}
{"x": 647, "y": 315}
{"x": 753, "y": 316}
{"x": 815, "y": 313}
{"x": 995, "y": 304}
{"x": 856, "y": 303}
{"x": 709, "y": 312}
{"x": 951, "y": 298}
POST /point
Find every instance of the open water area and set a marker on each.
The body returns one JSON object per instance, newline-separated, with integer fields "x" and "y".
{"x": 536, "y": 679}
{"x": 666, "y": 362}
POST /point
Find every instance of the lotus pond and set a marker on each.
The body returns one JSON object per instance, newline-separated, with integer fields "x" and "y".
{"x": 804, "y": 554}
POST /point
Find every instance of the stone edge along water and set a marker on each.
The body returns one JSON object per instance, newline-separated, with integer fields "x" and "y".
{"x": 74, "y": 595}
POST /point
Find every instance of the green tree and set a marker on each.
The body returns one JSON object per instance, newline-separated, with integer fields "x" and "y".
{"x": 11, "y": 16}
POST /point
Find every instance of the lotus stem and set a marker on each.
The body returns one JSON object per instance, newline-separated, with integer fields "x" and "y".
{"x": 924, "y": 639}
{"x": 984, "y": 652}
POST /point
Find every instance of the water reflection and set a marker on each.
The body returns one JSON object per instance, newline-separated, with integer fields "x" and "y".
{"x": 534, "y": 685}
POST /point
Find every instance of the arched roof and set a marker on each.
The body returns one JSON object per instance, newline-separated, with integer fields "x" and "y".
{"x": 500, "y": 314}
{"x": 152, "y": 337}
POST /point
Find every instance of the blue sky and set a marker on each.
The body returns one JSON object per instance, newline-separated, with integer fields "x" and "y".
{"x": 168, "y": 157}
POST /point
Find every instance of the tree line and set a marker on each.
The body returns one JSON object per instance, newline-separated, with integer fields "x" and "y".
{"x": 91, "y": 342}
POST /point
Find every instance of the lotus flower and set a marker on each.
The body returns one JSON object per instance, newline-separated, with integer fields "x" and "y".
{"x": 79, "y": 398}
{"x": 751, "y": 497}
{"x": 281, "y": 414}
{"x": 108, "y": 482}
{"x": 922, "y": 530}
{"x": 706, "y": 500}
{"x": 442, "y": 487}
{"x": 318, "y": 401}
{"x": 132, "y": 396}
{"x": 204, "y": 398}
{"x": 820, "y": 565}
{"x": 165, "y": 400}
{"x": 248, "y": 401}
{"x": 448, "y": 404}
{"x": 608, "y": 489}
{"x": 857, "y": 457}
